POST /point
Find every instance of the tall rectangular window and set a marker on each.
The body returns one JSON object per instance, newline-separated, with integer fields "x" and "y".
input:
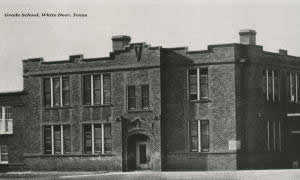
{"x": 265, "y": 84}
{"x": 276, "y": 85}
{"x": 96, "y": 89}
{"x": 87, "y": 90}
{"x": 106, "y": 88}
{"x": 292, "y": 81}
{"x": 6, "y": 120}
{"x": 204, "y": 135}
{"x": 271, "y": 85}
{"x": 198, "y": 83}
{"x": 274, "y": 136}
{"x": 131, "y": 97}
{"x": 87, "y": 138}
{"x": 145, "y": 96}
{"x": 47, "y": 140}
{"x": 47, "y": 92}
{"x": 65, "y": 91}
{"x": 66, "y": 139}
{"x": 56, "y": 92}
{"x": 194, "y": 136}
{"x": 97, "y": 138}
{"x": 3, "y": 154}
{"x": 193, "y": 84}
{"x": 107, "y": 138}
{"x": 57, "y": 139}
{"x": 199, "y": 135}
{"x": 203, "y": 83}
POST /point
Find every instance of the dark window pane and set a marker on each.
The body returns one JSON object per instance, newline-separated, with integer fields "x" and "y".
{"x": 57, "y": 139}
{"x": 107, "y": 138}
{"x": 56, "y": 91}
{"x": 67, "y": 139}
{"x": 298, "y": 87}
{"x": 192, "y": 71}
{"x": 194, "y": 135}
{"x": 293, "y": 86}
{"x": 66, "y": 91}
{"x": 145, "y": 96}
{"x": 131, "y": 97}
{"x": 98, "y": 138}
{"x": 270, "y": 88}
{"x": 204, "y": 135}
{"x": 193, "y": 84}
{"x": 288, "y": 80}
{"x": 276, "y": 85}
{"x": 106, "y": 88}
{"x": 87, "y": 138}
{"x": 203, "y": 82}
{"x": 97, "y": 89}
{"x": 47, "y": 140}
{"x": 47, "y": 92}
{"x": 87, "y": 90}
{"x": 264, "y": 86}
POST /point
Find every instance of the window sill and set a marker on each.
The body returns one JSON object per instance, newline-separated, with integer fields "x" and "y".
{"x": 201, "y": 101}
{"x": 8, "y": 134}
{"x": 59, "y": 107}
{"x": 70, "y": 155}
{"x": 139, "y": 110}
{"x": 97, "y": 105}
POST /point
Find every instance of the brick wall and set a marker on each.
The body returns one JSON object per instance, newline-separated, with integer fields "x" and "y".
{"x": 125, "y": 70}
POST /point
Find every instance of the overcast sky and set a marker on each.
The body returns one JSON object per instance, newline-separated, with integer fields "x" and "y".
{"x": 169, "y": 23}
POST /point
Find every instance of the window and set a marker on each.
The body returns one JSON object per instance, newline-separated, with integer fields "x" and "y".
{"x": 56, "y": 91}
{"x": 6, "y": 120}
{"x": 293, "y": 87}
{"x": 131, "y": 97}
{"x": 198, "y": 83}
{"x": 274, "y": 139}
{"x": 96, "y": 89}
{"x": 271, "y": 87}
{"x": 3, "y": 154}
{"x": 199, "y": 133}
{"x": 57, "y": 139}
{"x": 145, "y": 96}
{"x": 97, "y": 138}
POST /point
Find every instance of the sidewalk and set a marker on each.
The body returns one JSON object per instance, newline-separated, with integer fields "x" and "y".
{"x": 152, "y": 175}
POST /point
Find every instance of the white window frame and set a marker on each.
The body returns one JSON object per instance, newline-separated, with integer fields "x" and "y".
{"x": 101, "y": 89}
{"x": 198, "y": 83}
{"x": 6, "y": 122}
{"x": 61, "y": 138}
{"x": 3, "y": 154}
{"x": 93, "y": 137}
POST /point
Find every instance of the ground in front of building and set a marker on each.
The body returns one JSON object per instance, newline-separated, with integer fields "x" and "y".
{"x": 152, "y": 175}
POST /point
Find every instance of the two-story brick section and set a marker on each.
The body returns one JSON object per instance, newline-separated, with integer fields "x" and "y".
{"x": 232, "y": 106}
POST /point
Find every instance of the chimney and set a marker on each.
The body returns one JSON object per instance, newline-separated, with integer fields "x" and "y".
{"x": 119, "y": 42}
{"x": 248, "y": 37}
{"x": 283, "y": 52}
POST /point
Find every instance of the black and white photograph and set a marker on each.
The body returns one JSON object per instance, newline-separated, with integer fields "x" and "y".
{"x": 150, "y": 89}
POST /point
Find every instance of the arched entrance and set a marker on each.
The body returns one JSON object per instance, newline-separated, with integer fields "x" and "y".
{"x": 138, "y": 152}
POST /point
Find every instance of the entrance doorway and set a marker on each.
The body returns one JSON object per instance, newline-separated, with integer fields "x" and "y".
{"x": 138, "y": 153}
